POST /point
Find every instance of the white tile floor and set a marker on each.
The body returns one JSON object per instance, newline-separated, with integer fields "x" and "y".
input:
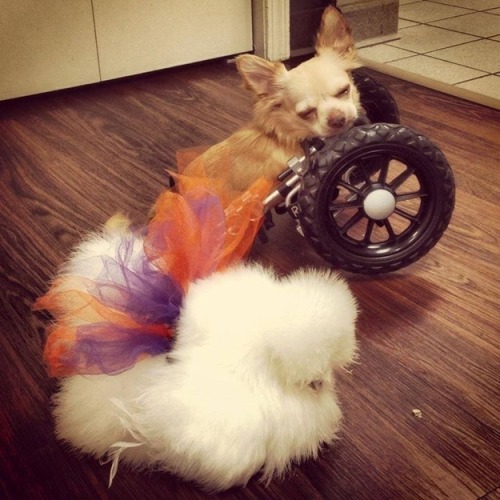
{"x": 450, "y": 45}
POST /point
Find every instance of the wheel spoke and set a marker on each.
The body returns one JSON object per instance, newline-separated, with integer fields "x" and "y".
{"x": 401, "y": 178}
{"x": 336, "y": 207}
{"x": 378, "y": 164}
{"x": 352, "y": 222}
{"x": 405, "y": 215}
{"x": 390, "y": 231}
{"x": 384, "y": 170}
{"x": 410, "y": 196}
{"x": 349, "y": 187}
{"x": 365, "y": 169}
{"x": 369, "y": 230}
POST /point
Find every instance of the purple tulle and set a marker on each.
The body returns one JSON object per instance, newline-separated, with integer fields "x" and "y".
{"x": 112, "y": 349}
{"x": 128, "y": 283}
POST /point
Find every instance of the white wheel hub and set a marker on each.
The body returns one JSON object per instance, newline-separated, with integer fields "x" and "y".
{"x": 379, "y": 204}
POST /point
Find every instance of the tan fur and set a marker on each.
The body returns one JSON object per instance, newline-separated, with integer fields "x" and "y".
{"x": 290, "y": 106}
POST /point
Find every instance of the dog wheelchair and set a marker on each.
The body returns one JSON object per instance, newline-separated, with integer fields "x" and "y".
{"x": 373, "y": 199}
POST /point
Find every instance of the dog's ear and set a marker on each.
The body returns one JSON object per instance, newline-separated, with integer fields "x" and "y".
{"x": 261, "y": 77}
{"x": 335, "y": 35}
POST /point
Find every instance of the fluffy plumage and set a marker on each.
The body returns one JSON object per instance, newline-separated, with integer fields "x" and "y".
{"x": 248, "y": 386}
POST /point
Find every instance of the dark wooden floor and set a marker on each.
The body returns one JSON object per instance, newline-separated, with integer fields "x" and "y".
{"x": 429, "y": 334}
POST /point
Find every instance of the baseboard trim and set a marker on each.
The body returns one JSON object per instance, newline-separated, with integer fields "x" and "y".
{"x": 432, "y": 84}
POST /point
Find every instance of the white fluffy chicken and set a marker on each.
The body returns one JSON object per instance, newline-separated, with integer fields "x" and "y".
{"x": 234, "y": 376}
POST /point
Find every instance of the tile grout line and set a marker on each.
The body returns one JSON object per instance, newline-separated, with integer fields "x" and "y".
{"x": 472, "y": 79}
{"x": 484, "y": 73}
{"x": 472, "y": 95}
{"x": 430, "y": 54}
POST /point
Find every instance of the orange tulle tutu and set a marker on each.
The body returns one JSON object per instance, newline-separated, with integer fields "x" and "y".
{"x": 108, "y": 324}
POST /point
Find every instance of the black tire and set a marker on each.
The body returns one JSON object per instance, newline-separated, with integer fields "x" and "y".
{"x": 378, "y": 103}
{"x": 333, "y": 198}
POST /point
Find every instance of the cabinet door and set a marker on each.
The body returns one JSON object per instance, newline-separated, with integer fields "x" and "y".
{"x": 46, "y": 45}
{"x": 134, "y": 36}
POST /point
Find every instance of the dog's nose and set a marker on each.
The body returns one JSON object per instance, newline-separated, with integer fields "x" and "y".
{"x": 336, "y": 121}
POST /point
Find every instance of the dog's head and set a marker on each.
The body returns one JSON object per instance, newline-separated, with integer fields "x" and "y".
{"x": 318, "y": 97}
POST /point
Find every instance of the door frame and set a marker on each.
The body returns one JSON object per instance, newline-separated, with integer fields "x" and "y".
{"x": 271, "y": 29}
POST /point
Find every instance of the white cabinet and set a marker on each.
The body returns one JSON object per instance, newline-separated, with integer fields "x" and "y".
{"x": 46, "y": 45}
{"x": 54, "y": 44}
{"x": 134, "y": 36}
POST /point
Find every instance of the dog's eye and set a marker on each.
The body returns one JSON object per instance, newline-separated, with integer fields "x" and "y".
{"x": 343, "y": 91}
{"x": 307, "y": 113}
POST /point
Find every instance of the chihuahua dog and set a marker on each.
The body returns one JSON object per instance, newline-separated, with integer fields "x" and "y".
{"x": 316, "y": 99}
